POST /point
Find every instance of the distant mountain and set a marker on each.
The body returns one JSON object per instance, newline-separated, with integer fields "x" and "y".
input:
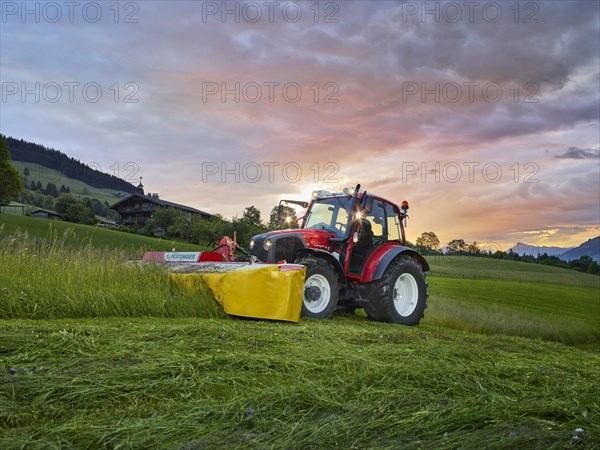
{"x": 21, "y": 150}
{"x": 590, "y": 248}
{"x": 525, "y": 249}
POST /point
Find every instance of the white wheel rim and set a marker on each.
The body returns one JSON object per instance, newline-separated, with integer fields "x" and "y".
{"x": 319, "y": 304}
{"x": 406, "y": 294}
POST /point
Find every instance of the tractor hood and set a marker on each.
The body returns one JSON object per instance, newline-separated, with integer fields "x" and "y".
{"x": 282, "y": 245}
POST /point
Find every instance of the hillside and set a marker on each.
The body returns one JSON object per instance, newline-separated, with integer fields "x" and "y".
{"x": 79, "y": 188}
{"x": 590, "y": 248}
{"x": 472, "y": 267}
{"x": 69, "y": 167}
{"x": 81, "y": 234}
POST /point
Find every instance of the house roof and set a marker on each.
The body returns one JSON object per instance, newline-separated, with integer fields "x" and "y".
{"x": 47, "y": 211}
{"x": 160, "y": 202}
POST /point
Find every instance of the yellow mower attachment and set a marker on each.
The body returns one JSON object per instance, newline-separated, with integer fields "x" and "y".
{"x": 256, "y": 290}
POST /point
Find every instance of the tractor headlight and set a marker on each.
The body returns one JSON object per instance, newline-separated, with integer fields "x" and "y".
{"x": 267, "y": 244}
{"x": 251, "y": 244}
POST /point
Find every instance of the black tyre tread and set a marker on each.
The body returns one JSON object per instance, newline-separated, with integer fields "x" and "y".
{"x": 379, "y": 308}
{"x": 310, "y": 263}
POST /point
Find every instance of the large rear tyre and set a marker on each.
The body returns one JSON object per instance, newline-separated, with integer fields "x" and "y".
{"x": 401, "y": 294}
{"x": 321, "y": 288}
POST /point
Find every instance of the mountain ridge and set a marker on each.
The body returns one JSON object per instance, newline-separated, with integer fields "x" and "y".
{"x": 591, "y": 248}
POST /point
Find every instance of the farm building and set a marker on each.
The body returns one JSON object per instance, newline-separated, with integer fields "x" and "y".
{"x": 137, "y": 209}
{"x": 46, "y": 214}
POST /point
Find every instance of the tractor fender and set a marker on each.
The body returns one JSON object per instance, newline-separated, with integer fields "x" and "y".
{"x": 327, "y": 257}
{"x": 393, "y": 254}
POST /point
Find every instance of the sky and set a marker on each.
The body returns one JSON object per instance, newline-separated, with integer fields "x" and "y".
{"x": 483, "y": 115}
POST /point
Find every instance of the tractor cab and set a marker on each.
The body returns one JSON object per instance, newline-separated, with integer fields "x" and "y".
{"x": 361, "y": 225}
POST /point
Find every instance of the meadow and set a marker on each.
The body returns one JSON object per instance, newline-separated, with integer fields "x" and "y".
{"x": 96, "y": 352}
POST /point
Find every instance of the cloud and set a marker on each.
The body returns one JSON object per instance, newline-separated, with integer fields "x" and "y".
{"x": 579, "y": 153}
{"x": 370, "y": 54}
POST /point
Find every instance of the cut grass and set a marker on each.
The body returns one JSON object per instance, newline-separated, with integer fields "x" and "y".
{"x": 346, "y": 383}
{"x": 78, "y": 234}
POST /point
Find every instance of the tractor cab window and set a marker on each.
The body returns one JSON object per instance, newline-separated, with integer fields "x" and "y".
{"x": 371, "y": 234}
{"x": 393, "y": 224}
{"x": 330, "y": 214}
{"x": 375, "y": 224}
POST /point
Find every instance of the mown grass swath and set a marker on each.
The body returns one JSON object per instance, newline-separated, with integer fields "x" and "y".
{"x": 345, "y": 383}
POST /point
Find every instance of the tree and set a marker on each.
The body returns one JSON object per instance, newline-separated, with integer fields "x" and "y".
{"x": 10, "y": 180}
{"x": 251, "y": 216}
{"x": 165, "y": 219}
{"x": 428, "y": 242}
{"x": 51, "y": 189}
{"x": 73, "y": 210}
{"x": 457, "y": 245}
{"x": 288, "y": 218}
{"x": 474, "y": 249}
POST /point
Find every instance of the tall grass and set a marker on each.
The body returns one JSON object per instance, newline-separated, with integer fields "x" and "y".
{"x": 63, "y": 276}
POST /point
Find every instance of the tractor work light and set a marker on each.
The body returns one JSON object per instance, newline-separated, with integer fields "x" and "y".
{"x": 320, "y": 194}
{"x": 251, "y": 244}
{"x": 267, "y": 244}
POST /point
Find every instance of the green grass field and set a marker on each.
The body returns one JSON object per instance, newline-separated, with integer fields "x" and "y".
{"x": 79, "y": 188}
{"x": 97, "y": 353}
{"x": 82, "y": 234}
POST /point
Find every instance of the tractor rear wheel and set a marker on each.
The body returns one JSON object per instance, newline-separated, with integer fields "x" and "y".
{"x": 401, "y": 294}
{"x": 321, "y": 288}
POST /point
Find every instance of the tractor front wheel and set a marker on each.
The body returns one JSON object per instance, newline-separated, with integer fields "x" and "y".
{"x": 401, "y": 294}
{"x": 321, "y": 288}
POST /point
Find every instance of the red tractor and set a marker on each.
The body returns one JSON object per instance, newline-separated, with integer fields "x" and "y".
{"x": 354, "y": 249}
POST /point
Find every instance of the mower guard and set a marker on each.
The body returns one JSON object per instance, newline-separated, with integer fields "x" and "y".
{"x": 255, "y": 290}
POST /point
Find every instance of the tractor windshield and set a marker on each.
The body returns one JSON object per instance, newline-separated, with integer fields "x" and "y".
{"x": 330, "y": 214}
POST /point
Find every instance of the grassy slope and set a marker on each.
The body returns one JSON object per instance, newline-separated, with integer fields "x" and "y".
{"x": 515, "y": 298}
{"x": 45, "y": 176}
{"x": 99, "y": 237}
{"x": 469, "y": 267}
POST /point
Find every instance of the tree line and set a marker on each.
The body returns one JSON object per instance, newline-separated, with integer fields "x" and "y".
{"x": 174, "y": 223}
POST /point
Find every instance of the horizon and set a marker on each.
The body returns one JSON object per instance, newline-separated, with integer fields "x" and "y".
{"x": 486, "y": 121}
